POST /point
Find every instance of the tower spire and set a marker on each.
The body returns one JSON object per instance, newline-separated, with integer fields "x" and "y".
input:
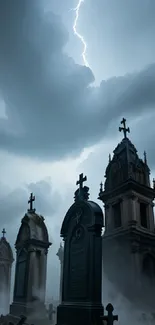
{"x": 145, "y": 157}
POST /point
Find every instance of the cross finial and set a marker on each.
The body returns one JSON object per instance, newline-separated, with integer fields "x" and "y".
{"x": 82, "y": 193}
{"x": 30, "y": 201}
{"x": 110, "y": 318}
{"x": 124, "y": 128}
{"x": 81, "y": 181}
{"x": 3, "y": 232}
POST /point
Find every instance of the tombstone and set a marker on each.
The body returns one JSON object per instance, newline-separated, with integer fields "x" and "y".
{"x": 51, "y": 312}
{"x": 82, "y": 264}
{"x": 32, "y": 245}
{"x": 6, "y": 260}
{"x": 110, "y": 318}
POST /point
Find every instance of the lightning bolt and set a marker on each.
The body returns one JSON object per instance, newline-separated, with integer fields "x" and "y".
{"x": 77, "y": 9}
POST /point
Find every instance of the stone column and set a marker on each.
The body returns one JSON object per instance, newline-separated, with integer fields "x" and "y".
{"x": 60, "y": 255}
{"x": 6, "y": 260}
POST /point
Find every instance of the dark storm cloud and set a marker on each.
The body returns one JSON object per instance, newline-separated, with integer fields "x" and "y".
{"x": 52, "y": 110}
{"x": 14, "y": 204}
{"x": 47, "y": 200}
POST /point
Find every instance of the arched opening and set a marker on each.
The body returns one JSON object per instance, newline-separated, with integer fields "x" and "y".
{"x": 149, "y": 267}
{"x": 36, "y": 277}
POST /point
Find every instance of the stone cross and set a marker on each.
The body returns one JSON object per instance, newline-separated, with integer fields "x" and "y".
{"x": 124, "y": 128}
{"x": 3, "y": 232}
{"x": 110, "y": 318}
{"x": 51, "y": 311}
{"x": 30, "y": 201}
{"x": 81, "y": 181}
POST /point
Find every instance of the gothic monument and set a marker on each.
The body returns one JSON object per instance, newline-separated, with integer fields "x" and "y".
{"x": 82, "y": 263}
{"x": 31, "y": 245}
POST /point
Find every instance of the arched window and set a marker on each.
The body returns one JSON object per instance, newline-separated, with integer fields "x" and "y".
{"x": 149, "y": 267}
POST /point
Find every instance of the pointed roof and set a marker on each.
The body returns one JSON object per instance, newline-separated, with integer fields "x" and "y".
{"x": 126, "y": 165}
{"x": 6, "y": 253}
{"x": 32, "y": 227}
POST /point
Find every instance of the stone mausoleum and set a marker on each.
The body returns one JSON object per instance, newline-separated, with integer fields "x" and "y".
{"x": 31, "y": 245}
{"x": 129, "y": 237}
{"x": 6, "y": 260}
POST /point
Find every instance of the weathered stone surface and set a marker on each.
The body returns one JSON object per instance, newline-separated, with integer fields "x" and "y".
{"x": 82, "y": 264}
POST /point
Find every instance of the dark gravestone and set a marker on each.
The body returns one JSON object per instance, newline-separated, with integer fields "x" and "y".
{"x": 82, "y": 267}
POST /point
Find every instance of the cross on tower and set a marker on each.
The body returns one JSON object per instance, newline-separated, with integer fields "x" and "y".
{"x": 3, "y": 232}
{"x": 81, "y": 181}
{"x": 110, "y": 318}
{"x": 30, "y": 201}
{"x": 124, "y": 128}
{"x": 145, "y": 158}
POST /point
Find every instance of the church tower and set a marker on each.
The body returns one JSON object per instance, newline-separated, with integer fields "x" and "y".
{"x": 6, "y": 260}
{"x": 31, "y": 245}
{"x": 129, "y": 238}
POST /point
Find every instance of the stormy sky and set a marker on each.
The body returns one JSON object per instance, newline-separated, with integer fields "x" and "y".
{"x": 59, "y": 118}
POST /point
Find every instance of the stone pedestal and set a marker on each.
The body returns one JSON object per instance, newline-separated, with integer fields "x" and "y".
{"x": 28, "y": 309}
{"x": 82, "y": 314}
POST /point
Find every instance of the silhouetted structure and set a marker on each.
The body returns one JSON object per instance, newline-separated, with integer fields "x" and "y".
{"x": 82, "y": 265}
{"x": 129, "y": 238}
{"x": 110, "y": 318}
{"x": 60, "y": 255}
{"x": 51, "y": 312}
{"x": 32, "y": 245}
{"x": 6, "y": 260}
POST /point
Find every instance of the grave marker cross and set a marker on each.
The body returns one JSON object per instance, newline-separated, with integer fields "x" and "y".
{"x": 31, "y": 200}
{"x": 110, "y": 318}
{"x": 81, "y": 180}
{"x": 3, "y": 232}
